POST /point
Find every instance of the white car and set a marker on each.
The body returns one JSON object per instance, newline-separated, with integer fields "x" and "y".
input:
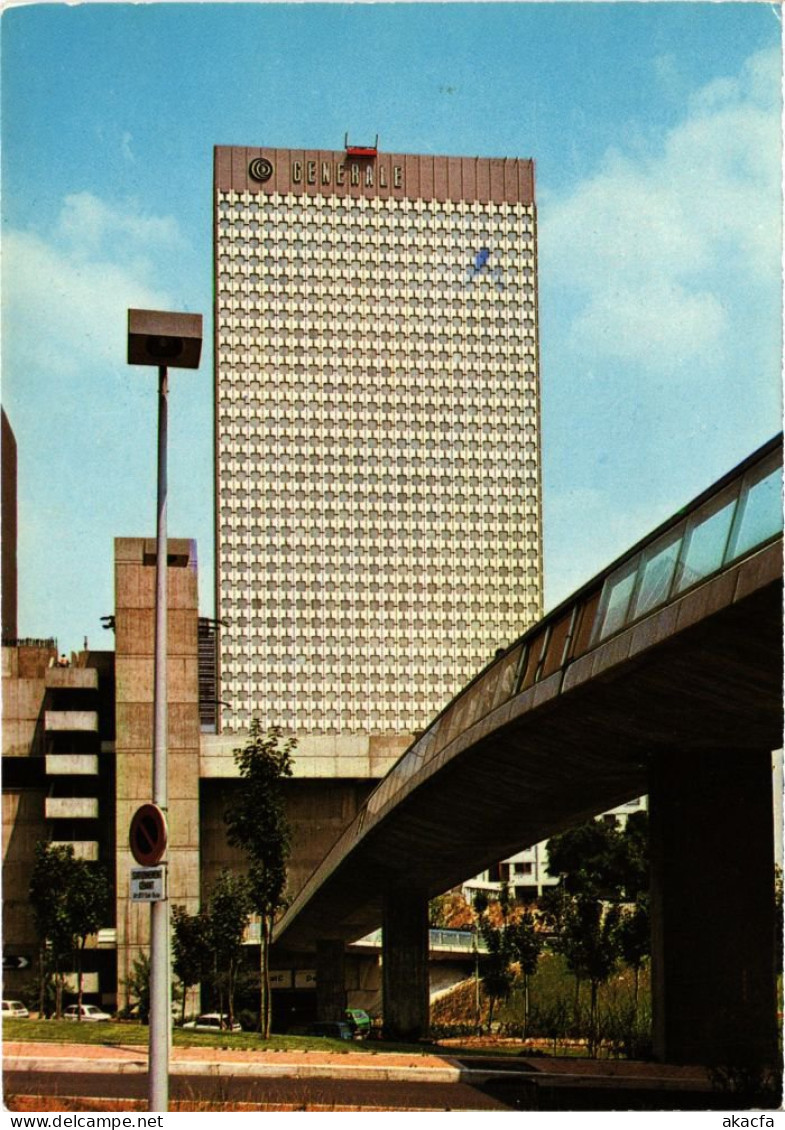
{"x": 89, "y": 1012}
{"x": 15, "y": 1009}
{"x": 212, "y": 1022}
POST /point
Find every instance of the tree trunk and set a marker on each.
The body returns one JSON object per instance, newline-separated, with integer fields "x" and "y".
{"x": 265, "y": 930}
{"x": 42, "y": 981}
{"x": 593, "y": 1022}
{"x": 58, "y": 995}
{"x": 525, "y": 1005}
{"x": 491, "y": 1003}
{"x": 79, "y": 979}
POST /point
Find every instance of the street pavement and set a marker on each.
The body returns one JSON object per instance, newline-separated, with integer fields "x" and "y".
{"x": 213, "y": 1078}
{"x": 239, "y": 1079}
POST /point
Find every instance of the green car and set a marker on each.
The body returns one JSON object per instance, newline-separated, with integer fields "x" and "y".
{"x": 359, "y": 1022}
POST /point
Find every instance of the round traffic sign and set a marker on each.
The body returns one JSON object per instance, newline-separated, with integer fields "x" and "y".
{"x": 148, "y": 834}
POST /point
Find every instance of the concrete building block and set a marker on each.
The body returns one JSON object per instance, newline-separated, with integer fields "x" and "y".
{"x": 184, "y": 732}
{"x": 72, "y": 678}
{"x": 71, "y": 721}
{"x": 182, "y": 631}
{"x": 126, "y": 587}
{"x": 134, "y": 722}
{"x": 30, "y": 698}
{"x": 34, "y": 661}
{"x": 71, "y": 764}
{"x": 184, "y": 877}
{"x": 134, "y": 778}
{"x": 183, "y": 678}
{"x": 10, "y": 663}
{"x": 385, "y": 750}
{"x": 181, "y": 584}
{"x": 128, "y": 550}
{"x": 135, "y": 629}
{"x": 17, "y": 738}
{"x": 83, "y": 849}
{"x": 183, "y": 778}
{"x": 10, "y": 699}
{"x": 134, "y": 679}
{"x": 348, "y": 767}
{"x": 71, "y": 808}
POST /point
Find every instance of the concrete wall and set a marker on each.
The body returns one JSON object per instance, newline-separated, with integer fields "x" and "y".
{"x": 24, "y": 686}
{"x": 318, "y": 811}
{"x": 346, "y": 756}
{"x": 23, "y": 827}
{"x": 134, "y": 646}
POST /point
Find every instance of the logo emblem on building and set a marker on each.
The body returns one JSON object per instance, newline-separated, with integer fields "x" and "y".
{"x": 260, "y": 169}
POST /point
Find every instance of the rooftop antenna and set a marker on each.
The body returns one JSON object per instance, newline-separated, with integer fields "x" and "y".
{"x": 361, "y": 150}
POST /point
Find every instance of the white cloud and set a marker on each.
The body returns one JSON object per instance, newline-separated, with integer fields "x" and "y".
{"x": 88, "y": 224}
{"x": 647, "y": 244}
{"x": 65, "y": 296}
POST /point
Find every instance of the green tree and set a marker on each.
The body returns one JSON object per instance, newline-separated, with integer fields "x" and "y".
{"x": 257, "y": 823}
{"x": 586, "y": 934}
{"x": 600, "y": 859}
{"x": 138, "y": 985}
{"x": 511, "y": 939}
{"x": 228, "y": 911}
{"x": 191, "y": 950}
{"x": 48, "y": 891}
{"x": 634, "y": 939}
{"x": 525, "y": 946}
{"x": 69, "y": 898}
{"x": 87, "y": 907}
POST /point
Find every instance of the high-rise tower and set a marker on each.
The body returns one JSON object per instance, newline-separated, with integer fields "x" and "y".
{"x": 378, "y": 511}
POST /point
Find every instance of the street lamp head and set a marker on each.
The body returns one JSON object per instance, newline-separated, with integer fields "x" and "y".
{"x": 159, "y": 338}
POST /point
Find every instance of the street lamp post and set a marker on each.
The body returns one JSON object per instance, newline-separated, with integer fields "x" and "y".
{"x": 161, "y": 339}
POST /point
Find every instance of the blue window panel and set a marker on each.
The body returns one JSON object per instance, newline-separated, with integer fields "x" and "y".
{"x": 656, "y": 575}
{"x": 615, "y": 600}
{"x": 706, "y": 540}
{"x": 760, "y": 517}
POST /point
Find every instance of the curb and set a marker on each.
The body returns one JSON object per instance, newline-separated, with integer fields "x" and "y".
{"x": 242, "y": 1068}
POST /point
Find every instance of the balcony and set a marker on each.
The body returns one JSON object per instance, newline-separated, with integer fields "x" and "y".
{"x": 71, "y": 721}
{"x": 71, "y": 808}
{"x": 72, "y": 678}
{"x": 72, "y": 765}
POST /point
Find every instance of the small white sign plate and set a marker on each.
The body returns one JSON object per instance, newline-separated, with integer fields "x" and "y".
{"x": 148, "y": 884}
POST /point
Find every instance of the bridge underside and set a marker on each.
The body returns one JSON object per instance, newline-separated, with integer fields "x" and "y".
{"x": 550, "y": 759}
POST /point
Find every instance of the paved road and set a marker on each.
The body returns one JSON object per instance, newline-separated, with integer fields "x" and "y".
{"x": 292, "y": 1093}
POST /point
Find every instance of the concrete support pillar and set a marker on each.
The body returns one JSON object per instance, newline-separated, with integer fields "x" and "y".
{"x": 405, "y": 988}
{"x": 713, "y": 945}
{"x": 330, "y": 979}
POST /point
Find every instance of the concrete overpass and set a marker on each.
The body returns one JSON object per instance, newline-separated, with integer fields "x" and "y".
{"x": 661, "y": 675}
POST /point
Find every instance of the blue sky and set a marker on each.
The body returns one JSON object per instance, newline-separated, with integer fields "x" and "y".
{"x": 655, "y": 129}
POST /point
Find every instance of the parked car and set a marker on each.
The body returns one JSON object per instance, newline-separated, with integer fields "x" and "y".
{"x": 331, "y": 1029}
{"x": 212, "y": 1022}
{"x": 15, "y": 1009}
{"x": 89, "y": 1012}
{"x": 359, "y": 1021}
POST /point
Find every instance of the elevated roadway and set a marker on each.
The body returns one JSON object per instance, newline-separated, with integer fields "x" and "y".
{"x": 662, "y": 675}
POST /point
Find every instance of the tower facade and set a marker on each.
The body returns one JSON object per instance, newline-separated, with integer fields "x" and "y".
{"x": 377, "y": 409}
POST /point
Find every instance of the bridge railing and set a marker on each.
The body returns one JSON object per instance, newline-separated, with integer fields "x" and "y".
{"x": 733, "y": 519}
